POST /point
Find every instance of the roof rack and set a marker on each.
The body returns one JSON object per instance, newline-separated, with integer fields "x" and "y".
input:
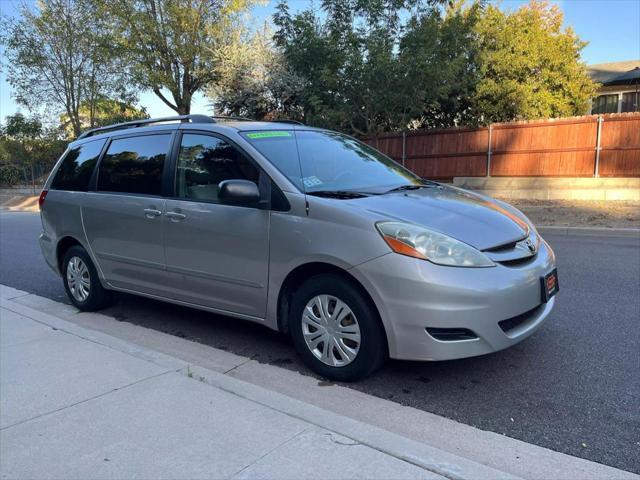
{"x": 226, "y": 117}
{"x": 149, "y": 121}
{"x": 296, "y": 122}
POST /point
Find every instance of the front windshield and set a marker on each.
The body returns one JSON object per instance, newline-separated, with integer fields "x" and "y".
{"x": 327, "y": 161}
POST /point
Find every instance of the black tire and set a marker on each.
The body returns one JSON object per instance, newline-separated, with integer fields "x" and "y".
{"x": 373, "y": 345}
{"x": 98, "y": 297}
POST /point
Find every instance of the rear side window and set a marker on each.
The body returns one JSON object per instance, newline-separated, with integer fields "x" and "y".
{"x": 134, "y": 165}
{"x": 77, "y": 166}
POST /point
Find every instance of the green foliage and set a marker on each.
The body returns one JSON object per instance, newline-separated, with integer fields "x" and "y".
{"x": 60, "y": 56}
{"x": 529, "y": 67}
{"x": 361, "y": 66}
{"x": 382, "y": 65}
{"x": 254, "y": 81}
{"x": 373, "y": 66}
{"x": 172, "y": 45}
{"x": 22, "y": 128}
{"x": 25, "y": 143}
{"x": 439, "y": 56}
{"x": 9, "y": 175}
{"x": 106, "y": 111}
{"x": 20, "y": 138}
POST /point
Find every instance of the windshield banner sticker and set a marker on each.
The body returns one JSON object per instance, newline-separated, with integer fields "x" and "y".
{"x": 269, "y": 134}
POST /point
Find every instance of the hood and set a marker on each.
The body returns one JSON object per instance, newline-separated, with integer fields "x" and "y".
{"x": 463, "y": 215}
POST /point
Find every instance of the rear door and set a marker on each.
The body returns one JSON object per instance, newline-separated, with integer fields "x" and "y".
{"x": 123, "y": 217}
{"x": 219, "y": 254}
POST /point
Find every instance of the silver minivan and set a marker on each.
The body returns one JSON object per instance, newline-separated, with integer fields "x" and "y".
{"x": 307, "y": 231}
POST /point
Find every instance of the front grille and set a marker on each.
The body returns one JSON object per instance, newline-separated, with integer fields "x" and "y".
{"x": 515, "y": 253}
{"x": 451, "y": 334}
{"x": 505, "y": 247}
{"x": 514, "y": 322}
{"x": 518, "y": 262}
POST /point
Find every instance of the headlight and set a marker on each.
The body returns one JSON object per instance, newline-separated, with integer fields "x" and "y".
{"x": 419, "y": 242}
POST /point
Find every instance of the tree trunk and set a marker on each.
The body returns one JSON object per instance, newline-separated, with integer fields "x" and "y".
{"x": 75, "y": 122}
{"x": 184, "y": 108}
{"x": 184, "y": 104}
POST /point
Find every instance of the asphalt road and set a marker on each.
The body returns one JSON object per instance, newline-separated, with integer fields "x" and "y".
{"x": 573, "y": 387}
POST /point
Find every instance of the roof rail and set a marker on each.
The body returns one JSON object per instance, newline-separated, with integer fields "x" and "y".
{"x": 147, "y": 121}
{"x": 227, "y": 117}
{"x": 296, "y": 122}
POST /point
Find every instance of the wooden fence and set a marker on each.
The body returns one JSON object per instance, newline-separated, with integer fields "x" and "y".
{"x": 590, "y": 146}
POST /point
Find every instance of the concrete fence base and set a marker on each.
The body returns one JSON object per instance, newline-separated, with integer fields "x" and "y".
{"x": 544, "y": 188}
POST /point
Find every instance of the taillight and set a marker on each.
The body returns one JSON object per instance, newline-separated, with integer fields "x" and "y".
{"x": 43, "y": 195}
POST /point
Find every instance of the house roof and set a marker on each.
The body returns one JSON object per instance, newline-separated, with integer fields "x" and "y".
{"x": 608, "y": 73}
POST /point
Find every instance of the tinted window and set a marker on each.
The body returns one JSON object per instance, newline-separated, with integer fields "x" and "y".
{"x": 605, "y": 104}
{"x": 76, "y": 168}
{"x": 134, "y": 165}
{"x": 204, "y": 162}
{"x": 630, "y": 102}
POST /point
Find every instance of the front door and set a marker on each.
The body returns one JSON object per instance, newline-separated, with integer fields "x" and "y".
{"x": 218, "y": 254}
{"x": 123, "y": 218}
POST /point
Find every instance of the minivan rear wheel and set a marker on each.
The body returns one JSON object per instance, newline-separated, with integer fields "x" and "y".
{"x": 81, "y": 281}
{"x": 335, "y": 329}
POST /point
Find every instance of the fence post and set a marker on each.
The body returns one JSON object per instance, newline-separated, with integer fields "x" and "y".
{"x": 596, "y": 171}
{"x": 489, "y": 154}
{"x": 404, "y": 139}
{"x": 33, "y": 178}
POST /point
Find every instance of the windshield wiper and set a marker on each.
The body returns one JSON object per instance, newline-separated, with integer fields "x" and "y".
{"x": 413, "y": 187}
{"x": 337, "y": 194}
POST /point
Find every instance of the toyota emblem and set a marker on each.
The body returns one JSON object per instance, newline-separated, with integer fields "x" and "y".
{"x": 530, "y": 245}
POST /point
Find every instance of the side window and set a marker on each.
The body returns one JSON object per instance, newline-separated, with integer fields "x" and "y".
{"x": 204, "y": 162}
{"x": 134, "y": 165}
{"x": 77, "y": 166}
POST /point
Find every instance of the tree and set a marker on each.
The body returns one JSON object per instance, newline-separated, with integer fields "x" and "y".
{"x": 381, "y": 65}
{"x": 106, "y": 111}
{"x": 25, "y": 144}
{"x": 438, "y": 55}
{"x": 529, "y": 67}
{"x": 22, "y": 136}
{"x": 21, "y": 128}
{"x": 60, "y": 56}
{"x": 173, "y": 44}
{"x": 358, "y": 64}
{"x": 253, "y": 80}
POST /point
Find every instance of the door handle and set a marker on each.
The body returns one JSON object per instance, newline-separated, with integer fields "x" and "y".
{"x": 176, "y": 216}
{"x": 152, "y": 212}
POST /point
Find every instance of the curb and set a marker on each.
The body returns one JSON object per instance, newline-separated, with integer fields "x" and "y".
{"x": 431, "y": 459}
{"x": 590, "y": 231}
{"x": 434, "y": 443}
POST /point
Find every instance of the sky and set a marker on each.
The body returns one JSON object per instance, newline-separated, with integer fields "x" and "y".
{"x": 612, "y": 28}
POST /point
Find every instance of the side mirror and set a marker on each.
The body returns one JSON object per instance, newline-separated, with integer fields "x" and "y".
{"x": 238, "y": 192}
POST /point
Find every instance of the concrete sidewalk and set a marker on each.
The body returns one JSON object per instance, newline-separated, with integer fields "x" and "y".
{"x": 83, "y": 395}
{"x": 77, "y": 403}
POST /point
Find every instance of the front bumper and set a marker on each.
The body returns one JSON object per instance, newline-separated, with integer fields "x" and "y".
{"x": 413, "y": 295}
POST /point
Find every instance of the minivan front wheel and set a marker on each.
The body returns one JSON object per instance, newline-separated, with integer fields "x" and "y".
{"x": 81, "y": 281}
{"x": 335, "y": 329}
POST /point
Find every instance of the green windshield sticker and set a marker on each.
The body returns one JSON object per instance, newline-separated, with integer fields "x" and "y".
{"x": 269, "y": 134}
